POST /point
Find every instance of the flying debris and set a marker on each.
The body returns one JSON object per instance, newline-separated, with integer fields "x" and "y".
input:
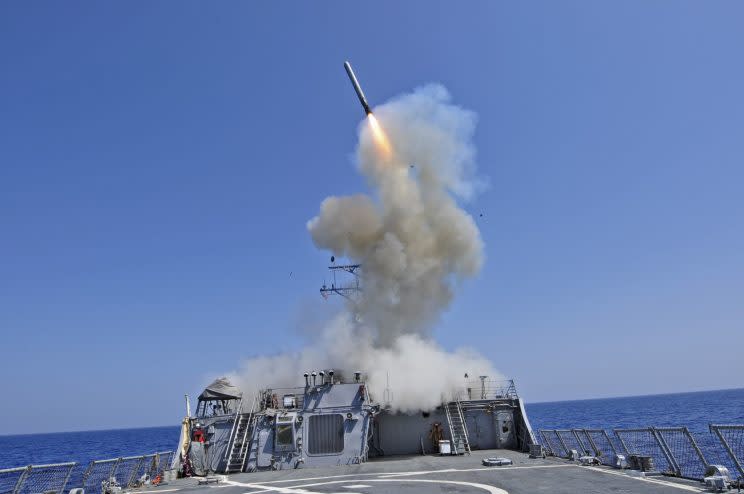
{"x": 357, "y": 88}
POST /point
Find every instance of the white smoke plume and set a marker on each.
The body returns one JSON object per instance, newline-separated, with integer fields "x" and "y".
{"x": 415, "y": 245}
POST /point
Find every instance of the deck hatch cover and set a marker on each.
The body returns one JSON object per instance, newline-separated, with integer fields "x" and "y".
{"x": 326, "y": 434}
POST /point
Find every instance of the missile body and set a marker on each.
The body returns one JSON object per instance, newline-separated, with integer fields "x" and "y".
{"x": 357, "y": 88}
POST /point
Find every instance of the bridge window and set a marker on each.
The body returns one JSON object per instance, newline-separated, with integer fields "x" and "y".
{"x": 285, "y": 435}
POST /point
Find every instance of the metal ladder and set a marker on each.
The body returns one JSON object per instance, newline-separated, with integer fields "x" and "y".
{"x": 458, "y": 428}
{"x": 241, "y": 440}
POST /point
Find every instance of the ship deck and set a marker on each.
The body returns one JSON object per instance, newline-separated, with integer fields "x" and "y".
{"x": 420, "y": 474}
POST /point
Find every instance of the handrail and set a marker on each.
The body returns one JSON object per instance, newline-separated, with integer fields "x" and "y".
{"x": 234, "y": 429}
{"x": 464, "y": 425}
{"x": 51, "y": 483}
{"x": 716, "y": 428}
{"x": 448, "y": 414}
{"x": 251, "y": 415}
{"x": 45, "y": 465}
{"x": 675, "y": 451}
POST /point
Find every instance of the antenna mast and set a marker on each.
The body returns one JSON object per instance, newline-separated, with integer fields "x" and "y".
{"x": 345, "y": 289}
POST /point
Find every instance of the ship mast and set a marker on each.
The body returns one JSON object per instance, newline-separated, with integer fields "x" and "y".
{"x": 344, "y": 288}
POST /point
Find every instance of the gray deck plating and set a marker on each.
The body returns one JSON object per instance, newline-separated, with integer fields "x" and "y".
{"x": 440, "y": 474}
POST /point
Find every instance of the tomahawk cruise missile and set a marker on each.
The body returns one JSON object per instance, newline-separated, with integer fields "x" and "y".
{"x": 357, "y": 88}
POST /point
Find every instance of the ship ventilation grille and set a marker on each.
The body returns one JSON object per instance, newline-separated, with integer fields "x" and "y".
{"x": 326, "y": 434}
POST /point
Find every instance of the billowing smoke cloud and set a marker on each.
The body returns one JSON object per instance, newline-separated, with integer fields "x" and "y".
{"x": 414, "y": 242}
{"x": 415, "y": 245}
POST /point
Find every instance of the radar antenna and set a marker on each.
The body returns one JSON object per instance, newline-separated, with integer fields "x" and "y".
{"x": 346, "y": 289}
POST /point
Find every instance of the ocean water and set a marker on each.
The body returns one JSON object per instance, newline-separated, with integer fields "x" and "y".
{"x": 82, "y": 447}
{"x": 694, "y": 410}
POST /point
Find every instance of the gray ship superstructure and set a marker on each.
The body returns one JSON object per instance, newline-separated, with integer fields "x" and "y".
{"x": 335, "y": 421}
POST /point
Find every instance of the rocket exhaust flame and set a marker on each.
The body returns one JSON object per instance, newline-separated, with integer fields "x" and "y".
{"x": 415, "y": 244}
{"x": 379, "y": 134}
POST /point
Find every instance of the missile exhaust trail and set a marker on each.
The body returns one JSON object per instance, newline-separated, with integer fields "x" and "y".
{"x": 357, "y": 88}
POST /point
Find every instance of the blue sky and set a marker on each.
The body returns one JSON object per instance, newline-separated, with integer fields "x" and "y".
{"x": 159, "y": 161}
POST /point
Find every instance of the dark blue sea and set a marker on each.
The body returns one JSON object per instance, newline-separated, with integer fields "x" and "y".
{"x": 694, "y": 410}
{"x": 82, "y": 447}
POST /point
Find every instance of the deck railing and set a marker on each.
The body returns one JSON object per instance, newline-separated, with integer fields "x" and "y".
{"x": 675, "y": 450}
{"x": 48, "y": 479}
{"x": 488, "y": 389}
{"x": 126, "y": 471}
{"x": 59, "y": 478}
